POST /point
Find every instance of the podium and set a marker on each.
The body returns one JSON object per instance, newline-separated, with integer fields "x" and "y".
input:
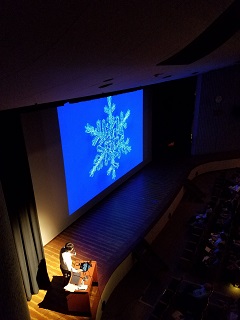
{"x": 78, "y": 299}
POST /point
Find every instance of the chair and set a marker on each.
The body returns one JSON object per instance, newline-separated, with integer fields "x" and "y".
{"x": 167, "y": 296}
{"x": 174, "y": 284}
{"x": 191, "y": 246}
{"x": 159, "y": 309}
{"x": 195, "y": 238}
{"x": 198, "y": 231}
{"x": 186, "y": 259}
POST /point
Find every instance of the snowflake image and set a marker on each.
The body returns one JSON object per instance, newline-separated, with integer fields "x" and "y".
{"x": 109, "y": 140}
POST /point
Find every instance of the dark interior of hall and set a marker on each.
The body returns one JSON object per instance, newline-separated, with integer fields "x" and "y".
{"x": 180, "y": 61}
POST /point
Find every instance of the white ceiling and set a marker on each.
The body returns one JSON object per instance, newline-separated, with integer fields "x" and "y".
{"x": 64, "y": 49}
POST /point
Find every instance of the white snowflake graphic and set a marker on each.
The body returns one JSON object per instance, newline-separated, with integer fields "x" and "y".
{"x": 109, "y": 140}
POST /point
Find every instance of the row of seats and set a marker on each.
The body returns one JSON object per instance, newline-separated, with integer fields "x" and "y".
{"x": 183, "y": 299}
{"x": 179, "y": 300}
{"x": 211, "y": 221}
{"x": 216, "y": 245}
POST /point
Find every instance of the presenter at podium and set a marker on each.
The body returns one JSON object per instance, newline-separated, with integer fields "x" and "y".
{"x": 66, "y": 267}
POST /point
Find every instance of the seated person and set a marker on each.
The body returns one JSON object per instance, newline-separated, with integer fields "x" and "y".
{"x": 206, "y": 213}
{"x": 209, "y": 210}
{"x": 225, "y": 214}
{"x": 235, "y": 188}
{"x": 214, "y": 256}
{"x": 198, "y": 222}
{"x": 217, "y": 238}
{"x": 201, "y": 218}
{"x": 203, "y": 290}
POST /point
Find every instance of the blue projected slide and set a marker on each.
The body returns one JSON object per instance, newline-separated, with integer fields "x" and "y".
{"x": 102, "y": 140}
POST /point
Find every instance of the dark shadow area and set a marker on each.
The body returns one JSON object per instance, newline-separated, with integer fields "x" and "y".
{"x": 149, "y": 260}
{"x": 56, "y": 298}
{"x": 42, "y": 276}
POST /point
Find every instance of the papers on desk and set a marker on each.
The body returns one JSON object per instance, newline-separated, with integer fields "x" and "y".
{"x": 72, "y": 287}
{"x": 82, "y": 287}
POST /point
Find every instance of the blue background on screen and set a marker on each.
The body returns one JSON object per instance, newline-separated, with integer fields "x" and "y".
{"x": 78, "y": 152}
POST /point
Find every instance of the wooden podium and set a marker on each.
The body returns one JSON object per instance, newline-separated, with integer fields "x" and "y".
{"x": 79, "y": 300}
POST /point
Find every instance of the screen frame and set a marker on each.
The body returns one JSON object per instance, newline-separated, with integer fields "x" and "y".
{"x": 66, "y": 110}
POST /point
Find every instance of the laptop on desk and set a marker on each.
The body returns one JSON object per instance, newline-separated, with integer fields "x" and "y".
{"x": 75, "y": 278}
{"x": 85, "y": 266}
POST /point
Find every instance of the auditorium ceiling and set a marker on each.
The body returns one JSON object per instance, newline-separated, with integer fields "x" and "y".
{"x": 59, "y": 50}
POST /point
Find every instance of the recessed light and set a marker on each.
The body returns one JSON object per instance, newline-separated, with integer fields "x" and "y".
{"x": 169, "y": 76}
{"x": 105, "y": 85}
{"x": 110, "y": 79}
{"x": 158, "y": 74}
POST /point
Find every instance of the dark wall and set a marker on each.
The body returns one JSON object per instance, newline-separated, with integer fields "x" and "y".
{"x": 217, "y": 112}
{"x": 172, "y": 115}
